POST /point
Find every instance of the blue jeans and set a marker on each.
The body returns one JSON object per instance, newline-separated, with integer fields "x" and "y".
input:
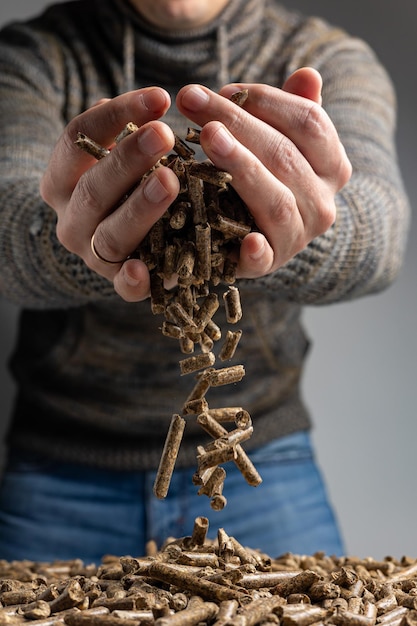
{"x": 51, "y": 510}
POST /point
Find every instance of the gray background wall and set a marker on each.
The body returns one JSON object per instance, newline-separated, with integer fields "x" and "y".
{"x": 361, "y": 381}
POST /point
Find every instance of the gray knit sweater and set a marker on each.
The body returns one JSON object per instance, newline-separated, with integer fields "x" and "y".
{"x": 97, "y": 381}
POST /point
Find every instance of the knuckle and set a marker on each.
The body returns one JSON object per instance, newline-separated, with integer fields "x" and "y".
{"x": 118, "y": 164}
{"x": 85, "y": 198}
{"x": 236, "y": 120}
{"x": 345, "y": 170}
{"x": 284, "y": 156}
{"x": 283, "y": 207}
{"x": 106, "y": 244}
{"x": 313, "y": 121}
{"x": 66, "y": 235}
{"x": 45, "y": 190}
{"x": 287, "y": 225}
{"x": 61, "y": 233}
{"x": 325, "y": 216}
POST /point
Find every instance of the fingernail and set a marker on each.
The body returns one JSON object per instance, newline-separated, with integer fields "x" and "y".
{"x": 257, "y": 254}
{"x": 154, "y": 191}
{"x": 153, "y": 99}
{"x": 194, "y": 98}
{"x": 150, "y": 142}
{"x": 132, "y": 281}
{"x": 222, "y": 142}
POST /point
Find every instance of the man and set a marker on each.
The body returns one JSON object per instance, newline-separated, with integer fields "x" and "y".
{"x": 311, "y": 153}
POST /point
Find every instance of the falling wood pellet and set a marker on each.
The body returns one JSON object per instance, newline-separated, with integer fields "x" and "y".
{"x": 196, "y": 241}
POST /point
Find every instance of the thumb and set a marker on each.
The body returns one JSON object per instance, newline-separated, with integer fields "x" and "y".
{"x": 305, "y": 82}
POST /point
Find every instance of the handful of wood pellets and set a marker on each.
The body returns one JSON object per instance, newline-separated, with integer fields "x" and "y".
{"x": 197, "y": 241}
{"x": 194, "y": 581}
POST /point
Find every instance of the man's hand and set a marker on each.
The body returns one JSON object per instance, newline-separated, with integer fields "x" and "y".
{"x": 92, "y": 197}
{"x": 285, "y": 157}
{"x": 281, "y": 149}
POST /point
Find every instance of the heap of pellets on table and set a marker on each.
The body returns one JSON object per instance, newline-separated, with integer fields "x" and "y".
{"x": 197, "y": 240}
{"x": 194, "y": 581}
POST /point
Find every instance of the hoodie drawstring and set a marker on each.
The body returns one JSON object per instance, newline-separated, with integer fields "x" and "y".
{"x": 128, "y": 57}
{"x": 221, "y": 52}
{"x": 223, "y": 55}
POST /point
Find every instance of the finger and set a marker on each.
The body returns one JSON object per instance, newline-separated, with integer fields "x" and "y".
{"x": 117, "y": 236}
{"x": 285, "y": 221}
{"x": 102, "y": 123}
{"x": 299, "y": 122}
{"x": 305, "y": 82}
{"x": 100, "y": 101}
{"x": 256, "y": 257}
{"x": 103, "y": 186}
{"x": 291, "y": 196}
{"x": 132, "y": 281}
{"x": 296, "y": 112}
{"x": 246, "y": 137}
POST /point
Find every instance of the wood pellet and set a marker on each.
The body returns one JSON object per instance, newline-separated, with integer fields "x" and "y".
{"x": 169, "y": 456}
{"x": 196, "y": 581}
{"x": 196, "y": 241}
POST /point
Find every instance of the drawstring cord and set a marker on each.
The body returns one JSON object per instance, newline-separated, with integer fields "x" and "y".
{"x": 223, "y": 55}
{"x": 238, "y": 46}
{"x": 128, "y": 57}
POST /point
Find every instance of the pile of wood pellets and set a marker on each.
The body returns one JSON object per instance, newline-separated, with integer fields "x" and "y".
{"x": 197, "y": 242}
{"x": 194, "y": 581}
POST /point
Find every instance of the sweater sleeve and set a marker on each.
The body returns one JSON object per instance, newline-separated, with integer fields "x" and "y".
{"x": 360, "y": 254}
{"x": 37, "y": 272}
{"x": 363, "y": 251}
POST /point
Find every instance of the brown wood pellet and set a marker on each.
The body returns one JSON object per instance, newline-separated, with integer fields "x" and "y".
{"x": 195, "y": 241}
{"x": 169, "y": 456}
{"x": 194, "y": 580}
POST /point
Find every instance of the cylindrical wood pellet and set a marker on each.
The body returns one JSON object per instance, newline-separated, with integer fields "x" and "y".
{"x": 169, "y": 456}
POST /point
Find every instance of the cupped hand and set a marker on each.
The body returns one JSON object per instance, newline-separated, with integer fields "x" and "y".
{"x": 102, "y": 198}
{"x": 285, "y": 158}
